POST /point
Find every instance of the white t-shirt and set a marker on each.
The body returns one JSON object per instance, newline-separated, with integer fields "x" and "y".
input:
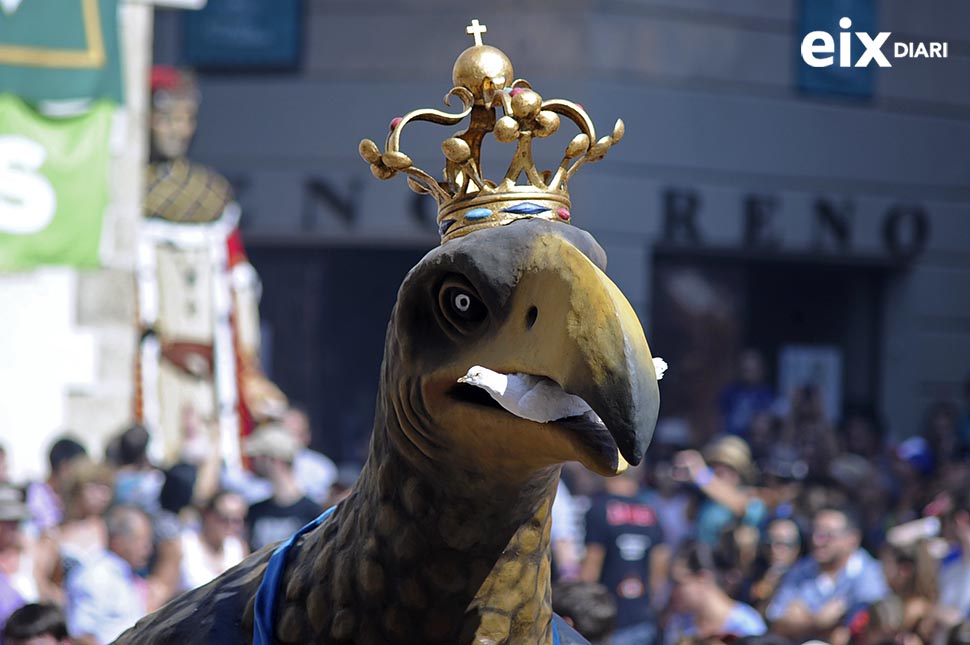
{"x": 197, "y": 568}
{"x": 315, "y": 473}
{"x": 104, "y": 598}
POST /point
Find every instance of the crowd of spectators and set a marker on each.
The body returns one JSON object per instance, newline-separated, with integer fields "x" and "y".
{"x": 782, "y": 528}
{"x": 103, "y": 541}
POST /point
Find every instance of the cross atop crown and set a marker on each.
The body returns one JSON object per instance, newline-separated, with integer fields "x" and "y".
{"x": 476, "y": 30}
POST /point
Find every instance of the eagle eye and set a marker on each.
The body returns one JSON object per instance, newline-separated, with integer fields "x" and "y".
{"x": 461, "y": 306}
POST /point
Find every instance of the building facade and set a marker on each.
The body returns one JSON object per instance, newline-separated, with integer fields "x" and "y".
{"x": 822, "y": 220}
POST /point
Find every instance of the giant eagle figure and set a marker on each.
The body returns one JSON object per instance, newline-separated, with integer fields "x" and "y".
{"x": 509, "y": 351}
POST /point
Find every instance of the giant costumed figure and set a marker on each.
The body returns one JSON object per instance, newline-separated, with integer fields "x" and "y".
{"x": 509, "y": 352}
{"x": 197, "y": 293}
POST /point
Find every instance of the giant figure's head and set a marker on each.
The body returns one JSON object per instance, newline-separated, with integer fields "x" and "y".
{"x": 510, "y": 349}
{"x": 174, "y": 109}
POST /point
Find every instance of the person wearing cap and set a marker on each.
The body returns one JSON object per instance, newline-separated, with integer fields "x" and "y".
{"x": 12, "y": 512}
{"x": 722, "y": 473}
{"x": 273, "y": 449}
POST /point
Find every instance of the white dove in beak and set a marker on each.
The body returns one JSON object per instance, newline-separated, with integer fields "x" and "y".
{"x": 535, "y": 398}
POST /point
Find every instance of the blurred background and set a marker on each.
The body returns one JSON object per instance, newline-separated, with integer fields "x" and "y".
{"x": 815, "y": 215}
{"x": 191, "y": 247}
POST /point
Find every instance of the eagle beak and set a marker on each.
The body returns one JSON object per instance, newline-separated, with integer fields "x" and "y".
{"x": 585, "y": 336}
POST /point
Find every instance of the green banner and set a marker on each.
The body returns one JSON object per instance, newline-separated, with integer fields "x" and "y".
{"x": 53, "y": 186}
{"x": 60, "y": 50}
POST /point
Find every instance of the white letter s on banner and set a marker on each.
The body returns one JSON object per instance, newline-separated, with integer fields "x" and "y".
{"x": 27, "y": 199}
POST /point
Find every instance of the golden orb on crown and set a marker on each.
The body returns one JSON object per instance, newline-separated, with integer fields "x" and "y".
{"x": 482, "y": 69}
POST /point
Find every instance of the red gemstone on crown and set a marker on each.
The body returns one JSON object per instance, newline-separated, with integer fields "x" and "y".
{"x": 394, "y": 123}
{"x": 563, "y": 214}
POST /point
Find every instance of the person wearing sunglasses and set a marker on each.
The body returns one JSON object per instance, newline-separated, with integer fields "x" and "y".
{"x": 817, "y": 594}
{"x": 781, "y": 549}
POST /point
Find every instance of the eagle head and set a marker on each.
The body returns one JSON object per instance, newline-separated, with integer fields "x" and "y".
{"x": 510, "y": 350}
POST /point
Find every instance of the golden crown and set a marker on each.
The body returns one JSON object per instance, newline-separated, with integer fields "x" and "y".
{"x": 466, "y": 200}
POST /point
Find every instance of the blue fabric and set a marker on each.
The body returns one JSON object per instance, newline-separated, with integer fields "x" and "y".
{"x": 954, "y": 555}
{"x": 269, "y": 588}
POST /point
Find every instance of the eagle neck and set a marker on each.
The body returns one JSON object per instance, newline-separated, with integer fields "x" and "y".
{"x": 439, "y": 559}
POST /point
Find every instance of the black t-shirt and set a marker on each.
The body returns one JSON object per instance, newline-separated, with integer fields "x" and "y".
{"x": 268, "y": 522}
{"x": 627, "y": 529}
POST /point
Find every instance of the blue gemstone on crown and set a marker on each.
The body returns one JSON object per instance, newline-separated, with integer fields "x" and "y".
{"x": 478, "y": 213}
{"x": 526, "y": 208}
{"x": 444, "y": 226}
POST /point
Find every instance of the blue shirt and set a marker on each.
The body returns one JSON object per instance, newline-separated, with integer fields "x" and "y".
{"x": 861, "y": 581}
{"x": 954, "y": 581}
{"x": 741, "y": 402}
{"x": 713, "y": 518}
{"x": 744, "y": 620}
{"x": 103, "y": 598}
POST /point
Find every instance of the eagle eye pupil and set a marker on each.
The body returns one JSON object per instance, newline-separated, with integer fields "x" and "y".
{"x": 462, "y": 302}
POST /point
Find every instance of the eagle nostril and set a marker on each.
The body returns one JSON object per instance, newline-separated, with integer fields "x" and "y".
{"x": 530, "y": 317}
